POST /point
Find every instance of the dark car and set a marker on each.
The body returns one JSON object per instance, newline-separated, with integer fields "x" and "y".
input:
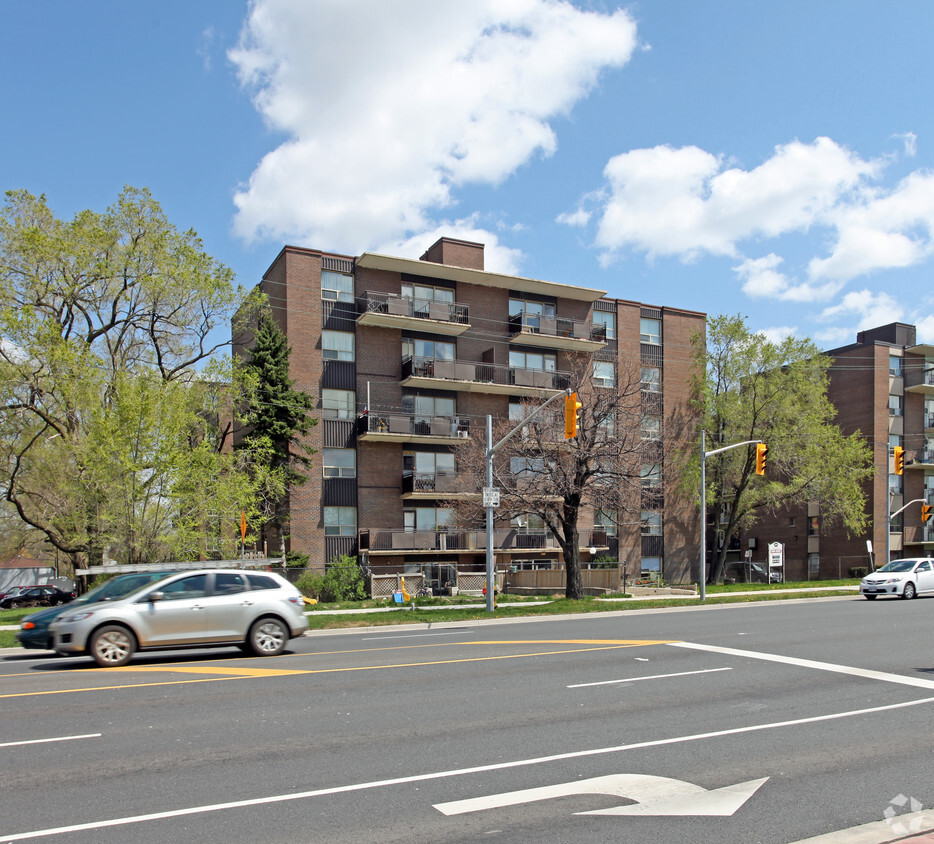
{"x": 34, "y": 629}
{"x": 37, "y": 596}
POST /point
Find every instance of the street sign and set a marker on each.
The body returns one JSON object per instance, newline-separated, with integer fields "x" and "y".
{"x": 490, "y": 496}
{"x": 776, "y": 555}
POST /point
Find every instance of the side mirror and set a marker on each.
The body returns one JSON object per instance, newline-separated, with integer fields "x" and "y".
{"x": 156, "y": 596}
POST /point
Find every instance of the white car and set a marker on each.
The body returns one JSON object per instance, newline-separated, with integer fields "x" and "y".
{"x": 256, "y": 611}
{"x": 905, "y": 578}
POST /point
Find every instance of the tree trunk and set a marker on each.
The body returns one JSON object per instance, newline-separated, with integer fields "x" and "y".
{"x": 574, "y": 588}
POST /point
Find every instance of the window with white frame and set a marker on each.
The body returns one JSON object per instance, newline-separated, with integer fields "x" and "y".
{"x": 895, "y": 365}
{"x": 539, "y": 361}
{"x": 337, "y": 287}
{"x": 428, "y": 519}
{"x": 532, "y": 313}
{"x": 604, "y": 373}
{"x": 428, "y": 463}
{"x": 340, "y": 521}
{"x": 426, "y": 408}
{"x": 650, "y": 426}
{"x": 605, "y": 520}
{"x": 651, "y": 521}
{"x": 426, "y": 292}
{"x": 650, "y": 331}
{"x": 427, "y": 349}
{"x": 339, "y": 403}
{"x": 339, "y": 462}
{"x": 337, "y": 345}
{"x": 650, "y": 475}
{"x": 608, "y": 320}
{"x": 651, "y": 379}
{"x": 896, "y": 405}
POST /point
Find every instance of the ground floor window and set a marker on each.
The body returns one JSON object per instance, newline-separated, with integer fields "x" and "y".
{"x": 813, "y": 565}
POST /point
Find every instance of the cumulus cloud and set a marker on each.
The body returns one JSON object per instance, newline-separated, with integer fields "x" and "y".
{"x": 779, "y": 333}
{"x": 870, "y": 309}
{"x": 381, "y": 128}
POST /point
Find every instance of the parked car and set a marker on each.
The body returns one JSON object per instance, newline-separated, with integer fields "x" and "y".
{"x": 34, "y": 629}
{"x": 256, "y": 611}
{"x": 37, "y": 596}
{"x": 905, "y": 578}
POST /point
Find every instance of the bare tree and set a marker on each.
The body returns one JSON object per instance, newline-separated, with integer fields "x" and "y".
{"x": 555, "y": 480}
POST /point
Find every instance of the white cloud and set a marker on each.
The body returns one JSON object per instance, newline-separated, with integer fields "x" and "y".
{"x": 667, "y": 201}
{"x": 910, "y": 140}
{"x": 925, "y": 326}
{"x": 871, "y": 309}
{"x": 760, "y": 276}
{"x": 580, "y": 217}
{"x": 779, "y": 333}
{"x": 425, "y": 96}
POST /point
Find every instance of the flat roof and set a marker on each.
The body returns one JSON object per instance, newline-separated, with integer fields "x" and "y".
{"x": 375, "y": 261}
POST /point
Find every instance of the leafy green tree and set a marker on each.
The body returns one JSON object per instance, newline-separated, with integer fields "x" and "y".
{"x": 278, "y": 415}
{"x": 106, "y": 322}
{"x": 755, "y": 389}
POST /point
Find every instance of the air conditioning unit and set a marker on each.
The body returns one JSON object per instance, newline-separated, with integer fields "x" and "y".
{"x": 463, "y": 435}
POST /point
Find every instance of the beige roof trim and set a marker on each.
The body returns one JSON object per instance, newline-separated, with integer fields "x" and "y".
{"x": 374, "y": 261}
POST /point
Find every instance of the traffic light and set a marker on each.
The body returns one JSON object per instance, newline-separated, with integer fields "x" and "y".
{"x": 762, "y": 454}
{"x": 899, "y": 460}
{"x": 925, "y": 512}
{"x": 572, "y": 410}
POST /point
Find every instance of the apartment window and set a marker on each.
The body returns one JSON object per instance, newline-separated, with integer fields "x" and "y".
{"x": 604, "y": 374}
{"x": 652, "y": 565}
{"x": 895, "y": 484}
{"x": 426, "y": 408}
{"x": 429, "y": 349}
{"x": 528, "y": 521}
{"x": 428, "y": 519}
{"x": 428, "y": 293}
{"x": 532, "y": 313}
{"x": 605, "y": 520}
{"x": 539, "y": 361}
{"x": 896, "y": 405}
{"x": 608, "y": 320}
{"x": 651, "y": 379}
{"x": 813, "y": 565}
{"x": 529, "y": 466}
{"x": 650, "y": 475}
{"x": 650, "y": 331}
{"x": 895, "y": 440}
{"x": 650, "y": 427}
{"x": 895, "y": 365}
{"x": 337, "y": 287}
{"x": 337, "y": 345}
{"x": 651, "y": 521}
{"x": 340, "y": 521}
{"x": 339, "y": 403}
{"x": 607, "y": 426}
{"x": 340, "y": 463}
{"x": 813, "y": 525}
{"x": 428, "y": 463}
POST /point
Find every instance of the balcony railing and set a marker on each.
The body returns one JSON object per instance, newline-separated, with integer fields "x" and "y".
{"x": 484, "y": 373}
{"x": 470, "y": 540}
{"x": 929, "y": 420}
{"x": 431, "y": 482}
{"x": 920, "y": 381}
{"x": 411, "y": 425}
{"x": 430, "y": 309}
{"x": 570, "y": 329}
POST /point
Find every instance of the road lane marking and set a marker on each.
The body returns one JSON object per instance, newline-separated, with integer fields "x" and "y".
{"x": 248, "y": 673}
{"x": 653, "y": 677}
{"x": 866, "y": 673}
{"x": 47, "y": 740}
{"x": 416, "y": 635}
{"x": 458, "y": 772}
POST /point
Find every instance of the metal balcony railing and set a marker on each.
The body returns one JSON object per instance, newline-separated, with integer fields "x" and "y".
{"x": 390, "y": 422}
{"x": 484, "y": 373}
{"x": 431, "y": 309}
{"x": 430, "y": 482}
{"x": 470, "y": 540}
{"x": 573, "y": 329}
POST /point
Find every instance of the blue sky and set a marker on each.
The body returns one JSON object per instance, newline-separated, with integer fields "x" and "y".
{"x": 772, "y": 159}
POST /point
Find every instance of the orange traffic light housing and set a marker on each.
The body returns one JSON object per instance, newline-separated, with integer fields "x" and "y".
{"x": 899, "y": 460}
{"x": 925, "y": 512}
{"x": 762, "y": 454}
{"x": 572, "y": 409}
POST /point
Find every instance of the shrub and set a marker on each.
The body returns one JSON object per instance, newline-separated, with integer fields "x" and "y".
{"x": 294, "y": 560}
{"x": 310, "y": 584}
{"x": 859, "y": 571}
{"x": 343, "y": 581}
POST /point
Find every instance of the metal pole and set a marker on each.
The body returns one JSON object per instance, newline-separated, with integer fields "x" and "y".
{"x": 703, "y": 515}
{"x": 490, "y": 573}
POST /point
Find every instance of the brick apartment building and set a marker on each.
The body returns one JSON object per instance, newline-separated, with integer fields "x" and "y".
{"x": 883, "y": 386}
{"x": 407, "y": 358}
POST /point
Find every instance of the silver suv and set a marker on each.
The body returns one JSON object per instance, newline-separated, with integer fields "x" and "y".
{"x": 256, "y": 611}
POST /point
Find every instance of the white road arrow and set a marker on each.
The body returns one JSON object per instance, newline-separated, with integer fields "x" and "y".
{"x": 653, "y": 796}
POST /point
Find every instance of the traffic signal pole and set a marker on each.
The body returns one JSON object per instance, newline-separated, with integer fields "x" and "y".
{"x": 703, "y": 504}
{"x": 888, "y": 523}
{"x": 490, "y": 508}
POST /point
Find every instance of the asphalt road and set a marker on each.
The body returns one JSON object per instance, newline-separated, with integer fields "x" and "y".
{"x": 766, "y": 722}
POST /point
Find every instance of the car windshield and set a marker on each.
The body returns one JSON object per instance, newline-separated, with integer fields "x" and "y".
{"x": 120, "y": 587}
{"x": 899, "y": 565}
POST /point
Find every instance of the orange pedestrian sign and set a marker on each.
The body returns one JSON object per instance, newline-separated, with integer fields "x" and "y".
{"x": 243, "y": 525}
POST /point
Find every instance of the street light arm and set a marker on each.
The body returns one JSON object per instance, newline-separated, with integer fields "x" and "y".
{"x": 728, "y": 447}
{"x": 913, "y": 501}
{"x": 525, "y": 422}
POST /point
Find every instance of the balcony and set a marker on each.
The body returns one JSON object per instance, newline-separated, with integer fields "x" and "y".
{"x": 556, "y": 333}
{"x": 918, "y": 535}
{"x": 389, "y": 310}
{"x": 929, "y": 423}
{"x": 435, "y": 485}
{"x": 923, "y": 459}
{"x": 393, "y": 427}
{"x": 920, "y": 381}
{"x": 454, "y": 541}
{"x": 431, "y": 373}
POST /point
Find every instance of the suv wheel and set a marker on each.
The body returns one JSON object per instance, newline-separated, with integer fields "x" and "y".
{"x": 112, "y": 646}
{"x": 267, "y": 637}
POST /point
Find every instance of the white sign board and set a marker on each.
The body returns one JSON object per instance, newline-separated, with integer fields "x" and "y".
{"x": 490, "y": 496}
{"x": 776, "y": 555}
